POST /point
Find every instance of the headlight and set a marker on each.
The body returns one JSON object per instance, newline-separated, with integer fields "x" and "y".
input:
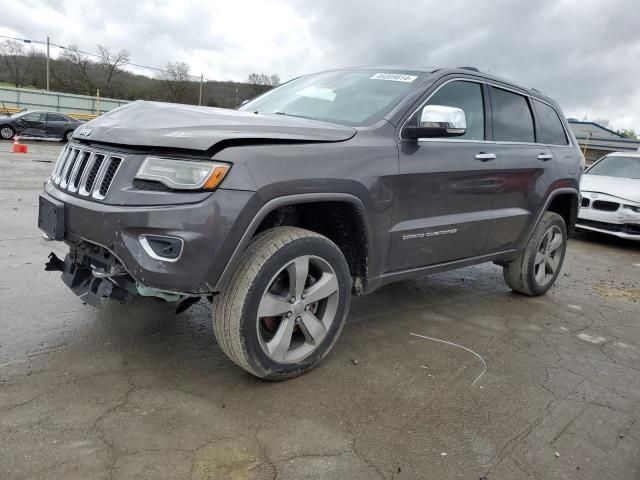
{"x": 633, "y": 208}
{"x": 183, "y": 174}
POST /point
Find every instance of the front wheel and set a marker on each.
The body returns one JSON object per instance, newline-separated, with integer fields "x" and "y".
{"x": 285, "y": 304}
{"x": 535, "y": 270}
{"x": 7, "y": 132}
{"x": 68, "y": 136}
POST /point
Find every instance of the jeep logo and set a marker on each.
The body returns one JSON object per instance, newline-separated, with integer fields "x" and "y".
{"x": 84, "y": 132}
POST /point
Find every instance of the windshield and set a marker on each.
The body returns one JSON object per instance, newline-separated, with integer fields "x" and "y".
{"x": 354, "y": 97}
{"x": 623, "y": 167}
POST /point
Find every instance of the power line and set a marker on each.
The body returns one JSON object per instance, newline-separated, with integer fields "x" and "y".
{"x": 96, "y": 55}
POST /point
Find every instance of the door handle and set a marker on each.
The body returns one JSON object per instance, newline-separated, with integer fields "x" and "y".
{"x": 545, "y": 156}
{"x": 485, "y": 157}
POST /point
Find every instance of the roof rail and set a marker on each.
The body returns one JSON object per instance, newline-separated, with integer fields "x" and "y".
{"x": 473, "y": 69}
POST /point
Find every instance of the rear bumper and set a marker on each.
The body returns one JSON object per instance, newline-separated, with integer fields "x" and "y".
{"x": 206, "y": 229}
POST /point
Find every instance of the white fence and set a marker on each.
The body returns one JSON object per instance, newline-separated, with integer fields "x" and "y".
{"x": 54, "y": 101}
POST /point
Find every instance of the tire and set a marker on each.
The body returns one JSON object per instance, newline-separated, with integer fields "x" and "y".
{"x": 535, "y": 270}
{"x": 7, "y": 132}
{"x": 67, "y": 136}
{"x": 303, "y": 323}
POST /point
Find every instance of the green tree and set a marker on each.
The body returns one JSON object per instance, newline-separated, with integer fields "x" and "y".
{"x": 628, "y": 133}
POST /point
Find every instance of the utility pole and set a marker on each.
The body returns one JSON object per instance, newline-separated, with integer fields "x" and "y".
{"x": 47, "y": 64}
{"x": 200, "y": 95}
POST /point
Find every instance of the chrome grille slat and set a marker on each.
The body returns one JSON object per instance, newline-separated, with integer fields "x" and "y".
{"x": 83, "y": 171}
{"x": 93, "y": 174}
{"x": 64, "y": 178}
{"x": 63, "y": 163}
{"x": 77, "y": 167}
{"x": 56, "y": 166}
{"x": 99, "y": 178}
{"x": 103, "y": 183}
{"x": 82, "y": 184}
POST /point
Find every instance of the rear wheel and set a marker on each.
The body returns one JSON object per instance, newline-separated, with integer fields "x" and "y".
{"x": 537, "y": 267}
{"x": 285, "y": 305}
{"x": 7, "y": 132}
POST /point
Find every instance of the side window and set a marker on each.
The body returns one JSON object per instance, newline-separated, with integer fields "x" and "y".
{"x": 34, "y": 117}
{"x": 512, "y": 119}
{"x": 54, "y": 117}
{"x": 551, "y": 129}
{"x": 466, "y": 96}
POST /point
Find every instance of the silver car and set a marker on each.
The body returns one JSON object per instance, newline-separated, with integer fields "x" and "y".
{"x": 611, "y": 196}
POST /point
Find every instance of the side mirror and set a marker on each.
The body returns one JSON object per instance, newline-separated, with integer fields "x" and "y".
{"x": 438, "y": 121}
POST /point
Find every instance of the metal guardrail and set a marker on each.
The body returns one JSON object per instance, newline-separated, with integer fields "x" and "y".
{"x": 79, "y": 106}
{"x": 76, "y": 115}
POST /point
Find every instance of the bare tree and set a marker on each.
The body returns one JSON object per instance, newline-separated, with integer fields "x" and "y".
{"x": 111, "y": 65}
{"x": 175, "y": 78}
{"x": 80, "y": 73}
{"x": 261, "y": 82}
{"x": 274, "y": 80}
{"x": 13, "y": 57}
{"x": 604, "y": 122}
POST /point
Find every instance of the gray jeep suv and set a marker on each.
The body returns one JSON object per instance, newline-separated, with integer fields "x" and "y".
{"x": 330, "y": 185}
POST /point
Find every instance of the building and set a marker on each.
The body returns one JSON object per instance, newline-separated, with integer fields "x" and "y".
{"x": 596, "y": 140}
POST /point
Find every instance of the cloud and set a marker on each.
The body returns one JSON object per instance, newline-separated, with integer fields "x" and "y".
{"x": 584, "y": 54}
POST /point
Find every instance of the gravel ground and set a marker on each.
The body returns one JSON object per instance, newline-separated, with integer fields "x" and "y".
{"x": 134, "y": 391}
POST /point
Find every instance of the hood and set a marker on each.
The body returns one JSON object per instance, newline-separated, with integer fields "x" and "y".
{"x": 155, "y": 124}
{"x": 625, "y": 188}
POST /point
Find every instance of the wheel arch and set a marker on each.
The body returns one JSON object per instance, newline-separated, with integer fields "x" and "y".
{"x": 563, "y": 201}
{"x": 356, "y": 251}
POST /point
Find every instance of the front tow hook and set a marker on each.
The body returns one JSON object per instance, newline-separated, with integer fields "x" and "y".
{"x": 54, "y": 264}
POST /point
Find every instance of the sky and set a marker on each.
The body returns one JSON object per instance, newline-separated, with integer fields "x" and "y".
{"x": 585, "y": 54}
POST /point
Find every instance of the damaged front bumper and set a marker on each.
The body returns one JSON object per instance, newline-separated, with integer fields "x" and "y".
{"x": 174, "y": 252}
{"x": 622, "y": 220}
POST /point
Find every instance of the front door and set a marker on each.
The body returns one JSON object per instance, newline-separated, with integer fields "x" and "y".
{"x": 445, "y": 189}
{"x": 33, "y": 124}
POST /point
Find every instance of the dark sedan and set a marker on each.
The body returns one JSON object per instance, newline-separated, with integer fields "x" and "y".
{"x": 38, "y": 124}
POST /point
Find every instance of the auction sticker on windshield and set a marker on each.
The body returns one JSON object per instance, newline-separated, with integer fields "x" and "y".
{"x": 394, "y": 77}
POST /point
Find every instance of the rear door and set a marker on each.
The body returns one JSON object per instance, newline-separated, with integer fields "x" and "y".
{"x": 522, "y": 165}
{"x": 444, "y": 190}
{"x": 552, "y": 132}
{"x": 33, "y": 124}
{"x": 56, "y": 125}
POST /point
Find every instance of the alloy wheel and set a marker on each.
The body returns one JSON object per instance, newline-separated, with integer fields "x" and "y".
{"x": 297, "y": 309}
{"x": 6, "y": 133}
{"x": 548, "y": 256}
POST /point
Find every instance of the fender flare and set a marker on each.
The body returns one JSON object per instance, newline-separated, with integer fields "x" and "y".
{"x": 279, "y": 202}
{"x": 545, "y": 208}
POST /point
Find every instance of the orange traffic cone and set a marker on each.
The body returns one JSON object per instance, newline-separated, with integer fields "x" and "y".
{"x": 17, "y": 146}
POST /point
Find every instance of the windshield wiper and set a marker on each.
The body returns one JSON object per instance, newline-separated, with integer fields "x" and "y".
{"x": 292, "y": 115}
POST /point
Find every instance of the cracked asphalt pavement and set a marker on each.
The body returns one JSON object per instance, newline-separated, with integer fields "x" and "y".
{"x": 134, "y": 391}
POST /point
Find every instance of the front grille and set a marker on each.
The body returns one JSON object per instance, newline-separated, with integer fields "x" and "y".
{"x": 585, "y": 202}
{"x": 85, "y": 172}
{"x": 605, "y": 206}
